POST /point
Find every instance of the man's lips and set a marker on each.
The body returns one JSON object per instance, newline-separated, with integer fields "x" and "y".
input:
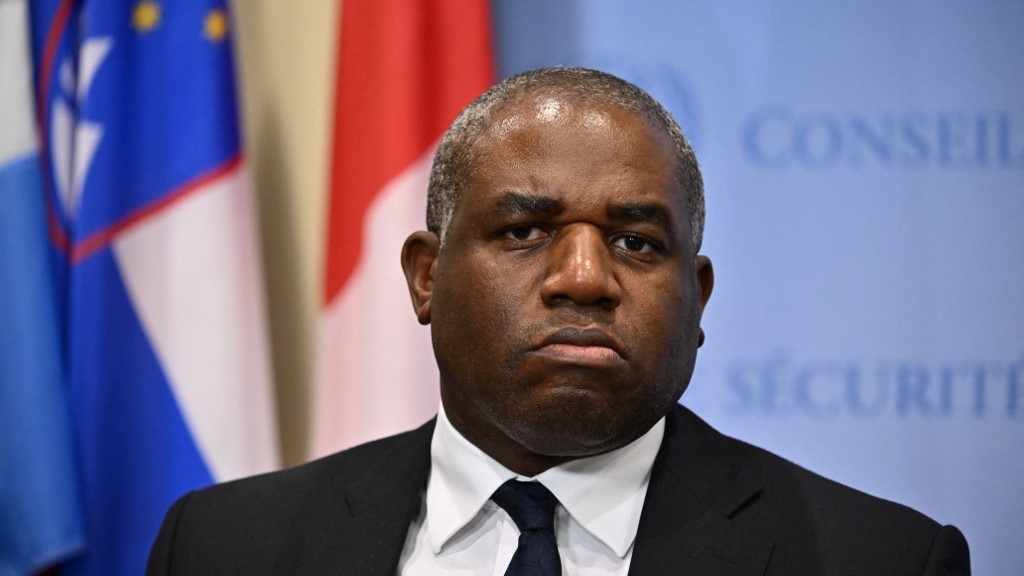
{"x": 583, "y": 346}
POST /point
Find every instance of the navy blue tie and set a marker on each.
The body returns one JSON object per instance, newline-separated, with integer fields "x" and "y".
{"x": 532, "y": 507}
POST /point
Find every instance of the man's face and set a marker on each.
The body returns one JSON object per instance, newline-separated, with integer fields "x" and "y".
{"x": 565, "y": 303}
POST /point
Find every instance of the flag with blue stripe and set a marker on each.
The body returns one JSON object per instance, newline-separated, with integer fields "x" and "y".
{"x": 153, "y": 214}
{"x": 40, "y": 515}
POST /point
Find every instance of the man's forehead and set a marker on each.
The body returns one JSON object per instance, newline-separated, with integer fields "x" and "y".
{"x": 547, "y": 108}
{"x": 573, "y": 123}
{"x": 582, "y": 123}
{"x": 546, "y": 97}
{"x": 533, "y": 131}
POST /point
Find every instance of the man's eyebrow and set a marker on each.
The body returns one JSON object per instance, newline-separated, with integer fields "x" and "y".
{"x": 521, "y": 204}
{"x": 644, "y": 213}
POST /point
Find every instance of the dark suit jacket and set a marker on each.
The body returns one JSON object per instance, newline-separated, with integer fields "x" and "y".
{"x": 715, "y": 506}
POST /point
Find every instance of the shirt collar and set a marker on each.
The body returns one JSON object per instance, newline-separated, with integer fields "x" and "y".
{"x": 463, "y": 477}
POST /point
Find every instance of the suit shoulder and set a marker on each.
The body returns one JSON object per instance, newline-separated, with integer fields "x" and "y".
{"x": 791, "y": 482}
{"x": 849, "y": 529}
{"x": 249, "y": 524}
{"x": 815, "y": 520}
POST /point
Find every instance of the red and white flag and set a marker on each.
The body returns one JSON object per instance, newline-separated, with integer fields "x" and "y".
{"x": 406, "y": 67}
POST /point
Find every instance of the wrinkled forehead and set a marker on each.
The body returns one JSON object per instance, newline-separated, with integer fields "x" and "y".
{"x": 559, "y": 143}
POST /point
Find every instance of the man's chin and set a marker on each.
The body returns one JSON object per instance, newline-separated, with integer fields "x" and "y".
{"x": 563, "y": 433}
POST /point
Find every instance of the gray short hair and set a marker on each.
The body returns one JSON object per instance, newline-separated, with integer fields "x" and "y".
{"x": 449, "y": 176}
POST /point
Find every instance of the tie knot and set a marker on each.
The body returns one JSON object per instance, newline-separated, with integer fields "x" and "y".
{"x": 530, "y": 505}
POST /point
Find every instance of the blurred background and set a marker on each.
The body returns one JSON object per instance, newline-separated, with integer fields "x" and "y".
{"x": 864, "y": 170}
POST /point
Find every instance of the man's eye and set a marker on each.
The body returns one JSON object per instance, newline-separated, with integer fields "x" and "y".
{"x": 633, "y": 243}
{"x": 525, "y": 233}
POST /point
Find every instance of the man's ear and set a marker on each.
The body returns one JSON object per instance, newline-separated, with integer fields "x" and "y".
{"x": 419, "y": 261}
{"x": 705, "y": 282}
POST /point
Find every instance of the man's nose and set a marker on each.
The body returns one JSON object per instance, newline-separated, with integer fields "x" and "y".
{"x": 581, "y": 270}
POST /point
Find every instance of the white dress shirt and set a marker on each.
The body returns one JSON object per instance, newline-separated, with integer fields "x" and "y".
{"x": 460, "y": 531}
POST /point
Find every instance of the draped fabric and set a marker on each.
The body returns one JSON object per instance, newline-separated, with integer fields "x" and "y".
{"x": 151, "y": 219}
{"x": 405, "y": 69}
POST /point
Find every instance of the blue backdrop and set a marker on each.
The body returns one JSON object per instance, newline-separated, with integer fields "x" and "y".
{"x": 864, "y": 165}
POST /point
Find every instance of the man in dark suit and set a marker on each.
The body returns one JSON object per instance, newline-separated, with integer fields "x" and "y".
{"x": 563, "y": 285}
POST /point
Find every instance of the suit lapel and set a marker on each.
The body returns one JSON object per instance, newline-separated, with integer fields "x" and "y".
{"x": 698, "y": 483}
{"x": 361, "y": 527}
